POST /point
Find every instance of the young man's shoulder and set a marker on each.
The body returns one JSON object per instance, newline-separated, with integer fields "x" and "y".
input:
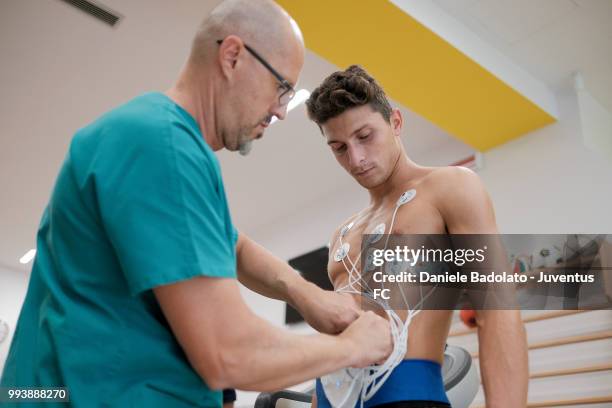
{"x": 450, "y": 181}
{"x": 459, "y": 195}
{"x": 449, "y": 173}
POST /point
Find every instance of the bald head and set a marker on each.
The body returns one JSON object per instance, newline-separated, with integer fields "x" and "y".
{"x": 245, "y": 62}
{"x": 262, "y": 24}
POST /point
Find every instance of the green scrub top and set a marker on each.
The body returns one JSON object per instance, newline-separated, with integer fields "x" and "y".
{"x": 139, "y": 202}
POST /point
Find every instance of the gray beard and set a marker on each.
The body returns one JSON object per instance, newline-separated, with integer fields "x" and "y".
{"x": 245, "y": 147}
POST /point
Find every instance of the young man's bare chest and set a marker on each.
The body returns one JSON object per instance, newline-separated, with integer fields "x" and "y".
{"x": 418, "y": 216}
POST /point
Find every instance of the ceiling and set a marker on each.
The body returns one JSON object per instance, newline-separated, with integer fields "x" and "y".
{"x": 61, "y": 69}
{"x": 412, "y": 51}
{"x": 551, "y": 39}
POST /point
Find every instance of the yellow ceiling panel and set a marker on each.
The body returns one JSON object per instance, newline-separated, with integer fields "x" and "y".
{"x": 418, "y": 69}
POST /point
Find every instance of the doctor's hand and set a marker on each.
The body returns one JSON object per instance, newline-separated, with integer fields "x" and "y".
{"x": 327, "y": 311}
{"x": 370, "y": 339}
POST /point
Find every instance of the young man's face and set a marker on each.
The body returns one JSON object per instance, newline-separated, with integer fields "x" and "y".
{"x": 364, "y": 143}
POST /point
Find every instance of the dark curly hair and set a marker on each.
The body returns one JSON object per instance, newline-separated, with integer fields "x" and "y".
{"x": 343, "y": 90}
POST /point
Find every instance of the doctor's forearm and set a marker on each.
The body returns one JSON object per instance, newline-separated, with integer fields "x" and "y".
{"x": 266, "y": 274}
{"x": 274, "y": 359}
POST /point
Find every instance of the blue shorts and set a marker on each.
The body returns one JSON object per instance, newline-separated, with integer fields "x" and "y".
{"x": 411, "y": 381}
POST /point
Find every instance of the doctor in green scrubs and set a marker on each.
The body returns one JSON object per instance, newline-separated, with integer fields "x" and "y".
{"x": 133, "y": 298}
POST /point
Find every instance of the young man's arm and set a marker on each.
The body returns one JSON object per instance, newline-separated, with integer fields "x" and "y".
{"x": 503, "y": 358}
{"x": 264, "y": 273}
{"x": 467, "y": 209}
{"x": 229, "y": 346}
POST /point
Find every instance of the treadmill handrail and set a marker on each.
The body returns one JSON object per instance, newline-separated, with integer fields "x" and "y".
{"x": 267, "y": 400}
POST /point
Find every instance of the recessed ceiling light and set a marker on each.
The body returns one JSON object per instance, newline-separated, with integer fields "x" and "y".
{"x": 27, "y": 257}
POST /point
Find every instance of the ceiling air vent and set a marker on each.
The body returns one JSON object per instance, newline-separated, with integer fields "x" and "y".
{"x": 96, "y": 10}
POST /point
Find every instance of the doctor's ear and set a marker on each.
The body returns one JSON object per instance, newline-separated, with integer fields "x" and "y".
{"x": 229, "y": 52}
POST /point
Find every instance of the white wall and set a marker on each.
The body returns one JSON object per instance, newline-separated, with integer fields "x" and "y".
{"x": 12, "y": 293}
{"x": 549, "y": 181}
{"x": 596, "y": 121}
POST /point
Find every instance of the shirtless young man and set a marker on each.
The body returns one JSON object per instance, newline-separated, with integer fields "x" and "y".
{"x": 363, "y": 132}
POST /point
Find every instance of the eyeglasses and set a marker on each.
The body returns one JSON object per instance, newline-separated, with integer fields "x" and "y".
{"x": 287, "y": 90}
